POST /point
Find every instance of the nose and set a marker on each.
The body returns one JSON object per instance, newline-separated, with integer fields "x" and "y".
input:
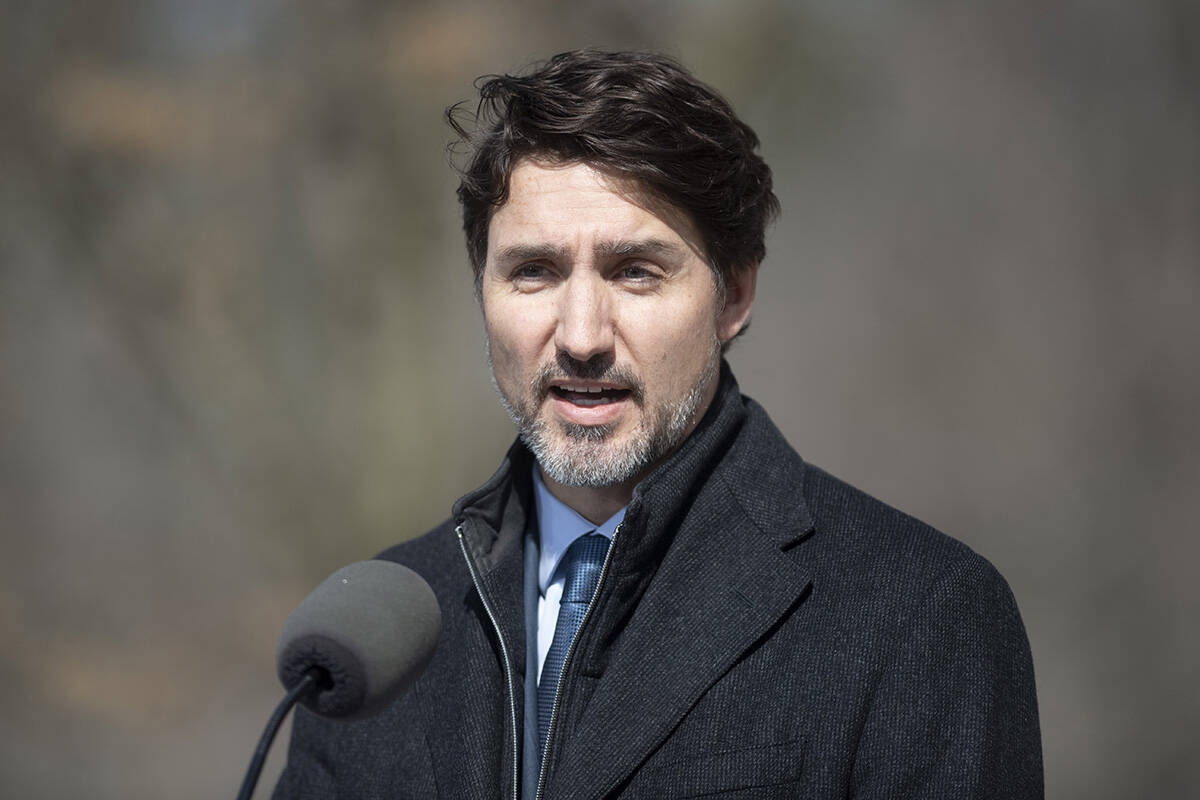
{"x": 585, "y": 325}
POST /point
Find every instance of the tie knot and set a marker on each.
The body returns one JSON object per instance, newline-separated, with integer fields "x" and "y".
{"x": 582, "y": 564}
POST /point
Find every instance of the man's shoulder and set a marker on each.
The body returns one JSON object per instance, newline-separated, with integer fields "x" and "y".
{"x": 851, "y": 532}
{"x": 853, "y": 526}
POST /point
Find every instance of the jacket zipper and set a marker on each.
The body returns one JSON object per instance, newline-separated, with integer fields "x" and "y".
{"x": 541, "y": 786}
{"x": 508, "y": 673}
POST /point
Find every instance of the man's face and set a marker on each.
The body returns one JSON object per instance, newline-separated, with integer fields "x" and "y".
{"x": 604, "y": 322}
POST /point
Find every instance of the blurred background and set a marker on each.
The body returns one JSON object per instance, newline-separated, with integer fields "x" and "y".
{"x": 238, "y": 345}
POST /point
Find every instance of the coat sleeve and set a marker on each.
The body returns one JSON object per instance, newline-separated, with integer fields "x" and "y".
{"x": 955, "y": 711}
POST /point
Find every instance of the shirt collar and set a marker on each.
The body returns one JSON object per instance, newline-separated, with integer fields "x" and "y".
{"x": 558, "y": 526}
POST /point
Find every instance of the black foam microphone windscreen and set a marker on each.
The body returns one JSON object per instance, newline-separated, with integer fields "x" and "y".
{"x": 370, "y": 629}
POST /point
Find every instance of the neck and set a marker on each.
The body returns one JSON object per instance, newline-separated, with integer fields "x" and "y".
{"x": 596, "y": 504}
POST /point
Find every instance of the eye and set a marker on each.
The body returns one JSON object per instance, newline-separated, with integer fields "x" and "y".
{"x": 530, "y": 275}
{"x": 638, "y": 272}
{"x": 531, "y": 271}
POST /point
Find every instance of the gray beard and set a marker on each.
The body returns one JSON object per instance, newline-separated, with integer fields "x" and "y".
{"x": 583, "y": 455}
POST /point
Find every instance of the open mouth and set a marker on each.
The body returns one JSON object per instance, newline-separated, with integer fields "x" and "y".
{"x": 589, "y": 395}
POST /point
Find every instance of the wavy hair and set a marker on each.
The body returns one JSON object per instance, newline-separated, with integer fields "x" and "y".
{"x": 636, "y": 114}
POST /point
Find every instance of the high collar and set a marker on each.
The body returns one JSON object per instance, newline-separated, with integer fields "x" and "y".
{"x": 667, "y": 492}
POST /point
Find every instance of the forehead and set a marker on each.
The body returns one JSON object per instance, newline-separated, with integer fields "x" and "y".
{"x": 574, "y": 205}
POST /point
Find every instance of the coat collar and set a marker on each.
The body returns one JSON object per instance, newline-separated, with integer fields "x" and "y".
{"x": 737, "y": 444}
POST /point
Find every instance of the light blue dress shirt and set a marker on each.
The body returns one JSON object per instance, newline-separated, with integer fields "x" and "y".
{"x": 558, "y": 526}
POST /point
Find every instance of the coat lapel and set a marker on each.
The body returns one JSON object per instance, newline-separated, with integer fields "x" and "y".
{"x": 717, "y": 592}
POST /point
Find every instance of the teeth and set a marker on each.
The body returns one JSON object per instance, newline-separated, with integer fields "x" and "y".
{"x": 581, "y": 389}
{"x": 592, "y": 401}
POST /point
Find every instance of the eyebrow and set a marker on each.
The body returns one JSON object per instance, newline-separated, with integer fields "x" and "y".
{"x": 531, "y": 252}
{"x": 608, "y": 248}
{"x": 638, "y": 247}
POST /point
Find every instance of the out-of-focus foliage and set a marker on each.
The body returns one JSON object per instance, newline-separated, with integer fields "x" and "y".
{"x": 238, "y": 346}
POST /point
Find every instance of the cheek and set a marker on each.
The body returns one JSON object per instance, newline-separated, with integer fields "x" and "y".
{"x": 513, "y": 348}
{"x": 504, "y": 355}
{"x": 674, "y": 345}
{"x": 518, "y": 324}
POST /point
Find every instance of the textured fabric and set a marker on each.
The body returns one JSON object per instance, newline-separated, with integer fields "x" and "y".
{"x": 764, "y": 630}
{"x": 581, "y": 566}
{"x": 529, "y": 741}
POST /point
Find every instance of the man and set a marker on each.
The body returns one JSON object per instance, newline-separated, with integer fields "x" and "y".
{"x": 655, "y": 596}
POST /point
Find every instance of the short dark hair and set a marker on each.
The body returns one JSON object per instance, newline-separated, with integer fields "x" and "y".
{"x": 636, "y": 114}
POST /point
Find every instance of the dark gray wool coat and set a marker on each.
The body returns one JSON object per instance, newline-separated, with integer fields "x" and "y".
{"x": 763, "y": 631}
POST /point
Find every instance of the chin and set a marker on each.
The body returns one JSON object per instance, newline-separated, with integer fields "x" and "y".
{"x": 588, "y": 456}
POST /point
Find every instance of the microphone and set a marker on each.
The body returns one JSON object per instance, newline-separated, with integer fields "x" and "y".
{"x": 360, "y": 639}
{"x": 369, "y": 630}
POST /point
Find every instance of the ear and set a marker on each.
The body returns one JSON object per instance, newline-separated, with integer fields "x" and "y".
{"x": 739, "y": 299}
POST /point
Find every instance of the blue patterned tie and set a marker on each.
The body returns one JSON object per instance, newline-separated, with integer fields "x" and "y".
{"x": 582, "y": 564}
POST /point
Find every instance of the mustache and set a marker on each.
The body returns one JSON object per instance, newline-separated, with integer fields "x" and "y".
{"x": 600, "y": 368}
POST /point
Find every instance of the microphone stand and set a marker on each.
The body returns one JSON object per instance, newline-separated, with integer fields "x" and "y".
{"x": 306, "y": 684}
